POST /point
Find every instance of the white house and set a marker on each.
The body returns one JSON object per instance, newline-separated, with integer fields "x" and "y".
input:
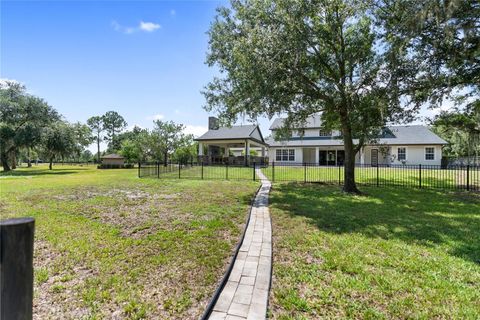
{"x": 310, "y": 143}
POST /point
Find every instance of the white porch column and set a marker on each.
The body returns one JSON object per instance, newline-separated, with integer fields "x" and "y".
{"x": 247, "y": 147}
{"x": 263, "y": 151}
{"x": 247, "y": 152}
{"x": 317, "y": 160}
{"x": 200, "y": 148}
{"x": 362, "y": 156}
{"x": 227, "y": 151}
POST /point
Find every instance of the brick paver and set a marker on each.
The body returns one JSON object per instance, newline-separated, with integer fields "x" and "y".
{"x": 245, "y": 295}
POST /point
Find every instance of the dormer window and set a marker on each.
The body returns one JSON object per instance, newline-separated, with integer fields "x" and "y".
{"x": 325, "y": 133}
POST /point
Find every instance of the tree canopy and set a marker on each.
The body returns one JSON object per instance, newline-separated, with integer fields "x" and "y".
{"x": 22, "y": 118}
{"x": 298, "y": 58}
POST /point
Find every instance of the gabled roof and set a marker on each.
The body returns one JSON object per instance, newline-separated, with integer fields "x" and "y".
{"x": 398, "y": 135}
{"x": 112, "y": 156}
{"x": 234, "y": 132}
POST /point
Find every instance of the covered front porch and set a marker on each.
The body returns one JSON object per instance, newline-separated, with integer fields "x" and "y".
{"x": 221, "y": 152}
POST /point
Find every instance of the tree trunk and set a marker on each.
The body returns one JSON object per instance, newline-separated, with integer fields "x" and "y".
{"x": 14, "y": 159}
{"x": 4, "y": 158}
{"x": 51, "y": 163}
{"x": 98, "y": 148}
{"x": 165, "y": 159}
{"x": 349, "y": 184}
{"x": 29, "y": 161}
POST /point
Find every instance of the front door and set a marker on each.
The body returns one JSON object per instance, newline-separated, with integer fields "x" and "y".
{"x": 322, "y": 157}
{"x": 374, "y": 157}
{"x": 331, "y": 157}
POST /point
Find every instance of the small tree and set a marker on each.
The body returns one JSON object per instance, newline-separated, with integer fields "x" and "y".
{"x": 58, "y": 141}
{"x": 113, "y": 123}
{"x": 166, "y": 137}
{"x": 96, "y": 125}
{"x": 136, "y": 147}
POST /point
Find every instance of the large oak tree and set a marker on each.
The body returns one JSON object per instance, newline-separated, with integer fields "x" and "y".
{"x": 298, "y": 58}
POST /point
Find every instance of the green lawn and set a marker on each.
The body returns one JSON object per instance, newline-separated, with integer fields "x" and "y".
{"x": 398, "y": 176}
{"x": 207, "y": 172}
{"x": 392, "y": 254}
{"x": 110, "y": 245}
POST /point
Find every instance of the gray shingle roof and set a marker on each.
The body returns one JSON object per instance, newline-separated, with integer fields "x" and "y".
{"x": 234, "y": 132}
{"x": 404, "y": 135}
{"x": 112, "y": 156}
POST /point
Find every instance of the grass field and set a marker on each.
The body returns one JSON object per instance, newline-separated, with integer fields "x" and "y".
{"x": 110, "y": 245}
{"x": 392, "y": 254}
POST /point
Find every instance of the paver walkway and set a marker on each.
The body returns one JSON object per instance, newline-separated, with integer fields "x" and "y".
{"x": 245, "y": 295}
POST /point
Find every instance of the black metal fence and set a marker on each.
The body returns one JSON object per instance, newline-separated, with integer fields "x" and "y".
{"x": 419, "y": 176}
{"x": 194, "y": 170}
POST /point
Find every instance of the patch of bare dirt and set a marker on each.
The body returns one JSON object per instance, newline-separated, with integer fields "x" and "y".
{"x": 56, "y": 295}
{"x": 135, "y": 212}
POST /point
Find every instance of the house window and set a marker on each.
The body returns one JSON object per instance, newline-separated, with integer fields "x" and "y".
{"x": 429, "y": 153}
{"x": 285, "y": 155}
{"x": 325, "y": 133}
{"x": 402, "y": 154}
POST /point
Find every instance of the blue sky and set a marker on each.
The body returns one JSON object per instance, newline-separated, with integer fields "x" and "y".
{"x": 144, "y": 59}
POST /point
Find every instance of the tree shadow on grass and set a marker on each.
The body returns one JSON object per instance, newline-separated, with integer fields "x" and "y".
{"x": 424, "y": 217}
{"x": 39, "y": 172}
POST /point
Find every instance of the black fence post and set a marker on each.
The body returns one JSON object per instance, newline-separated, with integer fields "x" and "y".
{"x": 158, "y": 169}
{"x": 254, "y": 171}
{"x": 139, "y": 169}
{"x": 16, "y": 271}
{"x": 468, "y": 177}
{"x": 304, "y": 172}
{"x": 339, "y": 175}
{"x": 179, "y": 169}
{"x": 202, "y": 169}
{"x": 377, "y": 177}
{"x": 226, "y": 170}
{"x": 273, "y": 171}
{"x": 420, "y": 175}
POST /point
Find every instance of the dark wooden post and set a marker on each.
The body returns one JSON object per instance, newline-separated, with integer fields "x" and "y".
{"x": 254, "y": 171}
{"x": 202, "y": 169}
{"x": 139, "y": 169}
{"x": 16, "y": 268}
{"x": 377, "y": 176}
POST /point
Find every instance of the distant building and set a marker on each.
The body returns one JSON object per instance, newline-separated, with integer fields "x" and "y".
{"x": 113, "y": 159}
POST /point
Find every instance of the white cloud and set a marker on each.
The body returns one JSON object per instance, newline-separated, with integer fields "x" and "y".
{"x": 142, "y": 26}
{"x": 195, "y": 130}
{"x": 149, "y": 26}
{"x": 156, "y": 117}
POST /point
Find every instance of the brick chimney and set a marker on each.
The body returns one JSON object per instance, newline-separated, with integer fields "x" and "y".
{"x": 213, "y": 123}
